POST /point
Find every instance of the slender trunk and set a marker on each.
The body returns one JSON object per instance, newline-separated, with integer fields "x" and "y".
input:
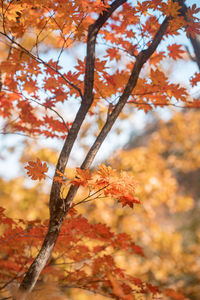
{"x": 41, "y": 260}
{"x": 59, "y": 207}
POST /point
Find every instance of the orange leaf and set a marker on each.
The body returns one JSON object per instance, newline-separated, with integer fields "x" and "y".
{"x": 82, "y": 177}
{"x": 173, "y": 294}
{"x": 117, "y": 289}
{"x": 60, "y": 177}
{"x": 156, "y": 57}
{"x": 128, "y": 199}
{"x": 36, "y": 170}
{"x": 175, "y": 52}
{"x": 195, "y": 79}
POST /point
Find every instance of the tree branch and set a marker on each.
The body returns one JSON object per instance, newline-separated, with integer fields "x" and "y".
{"x": 91, "y": 42}
{"x": 40, "y": 60}
{"x": 140, "y": 60}
{"x": 59, "y": 207}
{"x": 194, "y": 40}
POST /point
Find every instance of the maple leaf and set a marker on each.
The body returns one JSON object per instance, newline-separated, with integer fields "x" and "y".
{"x": 113, "y": 53}
{"x": 154, "y": 289}
{"x": 105, "y": 170}
{"x": 195, "y": 103}
{"x": 128, "y": 199}
{"x": 136, "y": 281}
{"x": 191, "y": 11}
{"x": 60, "y": 177}
{"x": 193, "y": 28}
{"x": 158, "y": 78}
{"x": 157, "y": 57}
{"x": 118, "y": 290}
{"x": 174, "y": 294}
{"x": 195, "y": 79}
{"x": 103, "y": 231}
{"x": 82, "y": 177}
{"x": 4, "y": 219}
{"x": 171, "y": 9}
{"x": 36, "y": 170}
{"x": 137, "y": 249}
{"x": 175, "y": 52}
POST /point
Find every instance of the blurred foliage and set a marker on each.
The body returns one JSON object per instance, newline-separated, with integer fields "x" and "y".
{"x": 166, "y": 167}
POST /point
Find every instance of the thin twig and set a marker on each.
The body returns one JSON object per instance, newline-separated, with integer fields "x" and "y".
{"x": 91, "y": 195}
{"x": 41, "y": 104}
{"x": 40, "y": 60}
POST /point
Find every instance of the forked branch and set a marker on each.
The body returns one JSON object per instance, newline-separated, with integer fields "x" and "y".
{"x": 58, "y": 207}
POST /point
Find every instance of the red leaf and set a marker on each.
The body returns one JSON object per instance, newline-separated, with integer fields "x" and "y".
{"x": 118, "y": 290}
{"x": 153, "y": 289}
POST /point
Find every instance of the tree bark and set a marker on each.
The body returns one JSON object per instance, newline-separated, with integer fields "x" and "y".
{"x": 194, "y": 40}
{"x": 58, "y": 206}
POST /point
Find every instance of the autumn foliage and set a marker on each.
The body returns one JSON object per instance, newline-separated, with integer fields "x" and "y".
{"x": 69, "y": 70}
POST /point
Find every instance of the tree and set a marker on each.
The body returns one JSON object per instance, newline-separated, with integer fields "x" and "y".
{"x": 33, "y": 87}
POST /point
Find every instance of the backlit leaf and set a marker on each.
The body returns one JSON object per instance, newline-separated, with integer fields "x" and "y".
{"x": 36, "y": 169}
